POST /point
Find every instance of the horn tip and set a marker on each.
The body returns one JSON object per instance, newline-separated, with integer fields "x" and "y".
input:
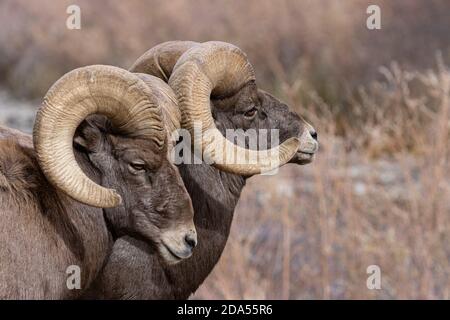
{"x": 116, "y": 200}
{"x": 292, "y": 143}
{"x": 288, "y": 149}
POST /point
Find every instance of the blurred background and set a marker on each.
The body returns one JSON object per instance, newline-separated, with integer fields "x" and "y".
{"x": 379, "y": 190}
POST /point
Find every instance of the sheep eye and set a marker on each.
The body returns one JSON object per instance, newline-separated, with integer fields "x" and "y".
{"x": 136, "y": 166}
{"x": 251, "y": 113}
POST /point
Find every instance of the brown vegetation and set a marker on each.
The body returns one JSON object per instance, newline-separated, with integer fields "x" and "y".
{"x": 320, "y": 227}
{"x": 378, "y": 191}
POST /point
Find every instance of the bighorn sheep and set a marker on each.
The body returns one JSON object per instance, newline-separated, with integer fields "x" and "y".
{"x": 53, "y": 211}
{"x": 215, "y": 84}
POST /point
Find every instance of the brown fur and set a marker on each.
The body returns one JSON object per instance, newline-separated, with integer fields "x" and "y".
{"x": 36, "y": 229}
{"x": 133, "y": 270}
{"x": 43, "y": 231}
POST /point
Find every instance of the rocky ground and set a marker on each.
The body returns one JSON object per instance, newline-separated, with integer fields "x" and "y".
{"x": 15, "y": 113}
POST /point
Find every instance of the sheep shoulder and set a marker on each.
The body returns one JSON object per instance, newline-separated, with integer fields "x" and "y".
{"x": 37, "y": 218}
{"x": 20, "y": 176}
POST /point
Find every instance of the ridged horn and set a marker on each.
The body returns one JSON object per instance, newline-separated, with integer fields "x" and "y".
{"x": 220, "y": 69}
{"x": 167, "y": 101}
{"x": 116, "y": 93}
{"x": 160, "y": 60}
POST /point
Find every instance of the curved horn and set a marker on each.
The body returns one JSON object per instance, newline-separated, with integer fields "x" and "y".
{"x": 116, "y": 93}
{"x": 160, "y": 60}
{"x": 220, "y": 69}
{"x": 167, "y": 101}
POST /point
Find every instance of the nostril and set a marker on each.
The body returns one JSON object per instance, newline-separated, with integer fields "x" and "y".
{"x": 314, "y": 135}
{"x": 190, "y": 240}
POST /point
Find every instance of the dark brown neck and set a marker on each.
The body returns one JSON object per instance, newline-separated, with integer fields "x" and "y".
{"x": 214, "y": 195}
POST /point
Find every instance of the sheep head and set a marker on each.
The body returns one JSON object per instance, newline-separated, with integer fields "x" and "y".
{"x": 215, "y": 85}
{"x": 114, "y": 121}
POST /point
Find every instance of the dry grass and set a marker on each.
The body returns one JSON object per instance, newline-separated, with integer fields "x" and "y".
{"x": 319, "y": 227}
{"x": 324, "y": 44}
{"x": 378, "y": 191}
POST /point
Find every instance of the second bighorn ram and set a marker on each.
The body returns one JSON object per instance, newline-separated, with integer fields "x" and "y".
{"x": 99, "y": 169}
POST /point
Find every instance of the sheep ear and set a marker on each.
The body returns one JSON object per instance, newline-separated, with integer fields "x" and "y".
{"x": 88, "y": 137}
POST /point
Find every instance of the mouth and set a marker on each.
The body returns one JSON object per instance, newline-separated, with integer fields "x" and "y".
{"x": 303, "y": 157}
{"x": 170, "y": 255}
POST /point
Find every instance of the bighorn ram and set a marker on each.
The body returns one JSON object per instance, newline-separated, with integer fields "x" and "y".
{"x": 50, "y": 196}
{"x": 215, "y": 84}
